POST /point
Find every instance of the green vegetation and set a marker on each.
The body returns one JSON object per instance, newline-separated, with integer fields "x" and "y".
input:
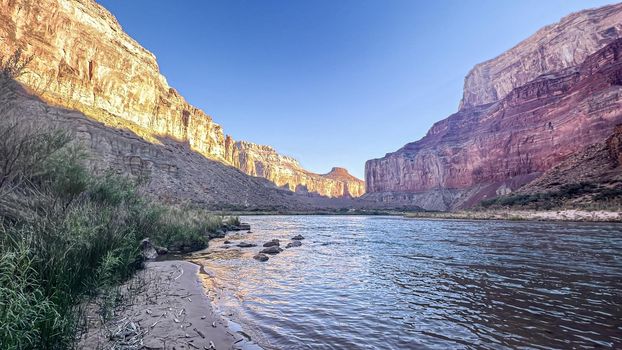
{"x": 67, "y": 234}
{"x": 599, "y": 197}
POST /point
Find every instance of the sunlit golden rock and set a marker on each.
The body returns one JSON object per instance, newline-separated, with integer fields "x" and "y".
{"x": 82, "y": 59}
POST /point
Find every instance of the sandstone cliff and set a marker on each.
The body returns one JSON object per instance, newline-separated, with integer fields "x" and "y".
{"x": 172, "y": 171}
{"x": 264, "y": 161}
{"x": 492, "y": 149}
{"x": 553, "y": 48}
{"x": 83, "y": 60}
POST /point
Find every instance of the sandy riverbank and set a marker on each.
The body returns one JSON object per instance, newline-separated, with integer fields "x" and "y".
{"x": 550, "y": 215}
{"x": 163, "y": 307}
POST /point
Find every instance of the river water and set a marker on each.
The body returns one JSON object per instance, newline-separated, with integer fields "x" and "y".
{"x": 393, "y": 283}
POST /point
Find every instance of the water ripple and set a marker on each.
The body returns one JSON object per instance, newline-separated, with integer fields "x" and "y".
{"x": 392, "y": 283}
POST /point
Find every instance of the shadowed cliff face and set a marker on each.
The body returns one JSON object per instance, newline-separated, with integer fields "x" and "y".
{"x": 492, "y": 149}
{"x": 83, "y": 60}
{"x": 599, "y": 164}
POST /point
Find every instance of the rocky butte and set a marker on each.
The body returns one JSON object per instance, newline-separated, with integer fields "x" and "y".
{"x": 82, "y": 60}
{"x": 264, "y": 161}
{"x": 522, "y": 113}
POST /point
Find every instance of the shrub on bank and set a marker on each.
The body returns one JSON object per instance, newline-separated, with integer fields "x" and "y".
{"x": 596, "y": 197}
{"x": 81, "y": 234}
{"x": 66, "y": 233}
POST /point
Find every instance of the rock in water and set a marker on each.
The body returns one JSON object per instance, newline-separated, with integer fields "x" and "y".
{"x": 272, "y": 243}
{"x": 217, "y": 234}
{"x": 298, "y": 237}
{"x": 272, "y": 250}
{"x": 293, "y": 244}
{"x": 261, "y": 257}
{"x": 246, "y": 245}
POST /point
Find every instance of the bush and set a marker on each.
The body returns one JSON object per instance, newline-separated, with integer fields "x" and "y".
{"x": 65, "y": 233}
{"x": 557, "y": 198}
{"x": 232, "y": 221}
{"x": 26, "y": 313}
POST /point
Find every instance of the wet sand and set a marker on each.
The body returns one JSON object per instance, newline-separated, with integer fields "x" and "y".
{"x": 164, "y": 307}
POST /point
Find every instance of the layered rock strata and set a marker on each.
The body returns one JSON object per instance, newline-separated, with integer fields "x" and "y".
{"x": 83, "y": 60}
{"x": 598, "y": 165}
{"x": 284, "y": 171}
{"x": 555, "y": 47}
{"x": 492, "y": 149}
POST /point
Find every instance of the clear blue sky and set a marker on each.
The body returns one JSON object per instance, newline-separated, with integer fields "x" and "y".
{"x": 330, "y": 82}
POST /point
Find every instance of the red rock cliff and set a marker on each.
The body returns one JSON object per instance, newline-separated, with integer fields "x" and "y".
{"x": 83, "y": 60}
{"x": 491, "y": 149}
{"x": 553, "y": 48}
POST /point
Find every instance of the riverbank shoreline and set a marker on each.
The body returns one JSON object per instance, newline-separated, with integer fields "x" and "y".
{"x": 567, "y": 215}
{"x": 570, "y": 215}
{"x": 165, "y": 307}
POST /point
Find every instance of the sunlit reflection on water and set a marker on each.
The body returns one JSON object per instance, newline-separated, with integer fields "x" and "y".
{"x": 393, "y": 283}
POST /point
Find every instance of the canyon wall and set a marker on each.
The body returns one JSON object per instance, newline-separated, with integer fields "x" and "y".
{"x": 553, "y": 48}
{"x": 83, "y": 60}
{"x": 284, "y": 171}
{"x": 492, "y": 146}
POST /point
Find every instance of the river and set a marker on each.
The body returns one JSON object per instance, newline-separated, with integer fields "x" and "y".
{"x": 393, "y": 283}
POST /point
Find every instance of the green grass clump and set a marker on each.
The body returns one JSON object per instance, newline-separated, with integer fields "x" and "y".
{"x": 67, "y": 234}
{"x": 557, "y": 198}
{"x": 232, "y": 221}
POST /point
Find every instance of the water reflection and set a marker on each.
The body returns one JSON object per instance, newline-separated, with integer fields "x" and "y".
{"x": 392, "y": 283}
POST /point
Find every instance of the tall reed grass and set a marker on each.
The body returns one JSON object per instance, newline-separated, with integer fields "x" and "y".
{"x": 66, "y": 233}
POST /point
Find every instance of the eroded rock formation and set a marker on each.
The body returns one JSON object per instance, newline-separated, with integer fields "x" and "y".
{"x": 598, "y": 165}
{"x": 82, "y": 59}
{"x": 552, "y": 48}
{"x": 172, "y": 171}
{"x": 614, "y": 146}
{"x": 490, "y": 149}
{"x": 284, "y": 171}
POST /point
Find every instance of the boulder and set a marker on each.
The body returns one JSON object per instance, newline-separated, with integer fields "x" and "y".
{"x": 246, "y": 245}
{"x": 293, "y": 244}
{"x": 271, "y": 250}
{"x": 147, "y": 250}
{"x": 298, "y": 238}
{"x": 161, "y": 250}
{"x": 217, "y": 234}
{"x": 272, "y": 243}
{"x": 241, "y": 227}
{"x": 227, "y": 242}
{"x": 261, "y": 257}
